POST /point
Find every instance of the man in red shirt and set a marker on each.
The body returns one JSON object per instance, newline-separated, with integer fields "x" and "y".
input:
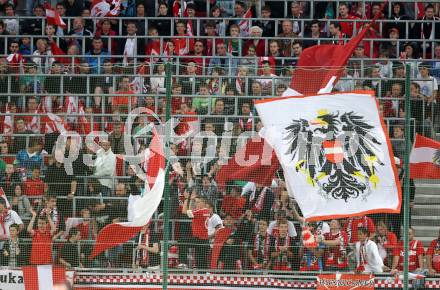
{"x": 415, "y": 253}
{"x": 41, "y": 253}
{"x": 433, "y": 256}
{"x": 124, "y": 102}
{"x": 200, "y": 216}
{"x": 281, "y": 249}
{"x": 347, "y": 26}
{"x": 259, "y": 254}
{"x": 336, "y": 241}
{"x": 386, "y": 241}
{"x": 352, "y": 225}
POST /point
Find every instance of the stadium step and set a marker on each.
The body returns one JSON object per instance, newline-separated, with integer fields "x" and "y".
{"x": 428, "y": 199}
{"x": 426, "y": 231}
{"x": 426, "y": 210}
{"x": 433, "y": 221}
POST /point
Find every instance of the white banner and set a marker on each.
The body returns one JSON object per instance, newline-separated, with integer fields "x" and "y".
{"x": 335, "y": 152}
{"x": 13, "y": 279}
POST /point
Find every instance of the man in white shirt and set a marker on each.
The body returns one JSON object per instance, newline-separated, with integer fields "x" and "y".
{"x": 214, "y": 222}
{"x": 274, "y": 225}
{"x": 105, "y": 166}
{"x": 368, "y": 259}
{"x": 428, "y": 84}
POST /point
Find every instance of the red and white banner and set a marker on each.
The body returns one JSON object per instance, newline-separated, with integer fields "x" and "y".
{"x": 336, "y": 156}
{"x": 425, "y": 158}
{"x": 42, "y": 277}
{"x": 344, "y": 282}
{"x": 244, "y": 24}
{"x": 102, "y": 8}
{"x": 8, "y": 122}
{"x": 144, "y": 208}
{"x": 55, "y": 124}
{"x": 53, "y": 17}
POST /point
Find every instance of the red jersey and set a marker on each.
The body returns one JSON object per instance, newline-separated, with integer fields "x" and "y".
{"x": 123, "y": 100}
{"x": 199, "y": 223}
{"x": 348, "y": 26}
{"x": 33, "y": 187}
{"x": 233, "y": 206}
{"x": 415, "y": 250}
{"x": 352, "y": 225}
{"x": 87, "y": 231}
{"x": 336, "y": 256}
{"x": 182, "y": 47}
{"x": 41, "y": 253}
{"x": 386, "y": 244}
{"x": 434, "y": 251}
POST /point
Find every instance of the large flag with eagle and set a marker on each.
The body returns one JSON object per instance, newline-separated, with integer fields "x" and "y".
{"x": 336, "y": 156}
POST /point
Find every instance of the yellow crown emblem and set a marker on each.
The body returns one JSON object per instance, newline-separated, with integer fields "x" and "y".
{"x": 322, "y": 112}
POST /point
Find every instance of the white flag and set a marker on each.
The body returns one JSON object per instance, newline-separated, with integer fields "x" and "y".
{"x": 336, "y": 156}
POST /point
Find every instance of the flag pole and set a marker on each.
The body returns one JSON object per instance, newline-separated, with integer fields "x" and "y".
{"x": 166, "y": 193}
{"x": 406, "y": 189}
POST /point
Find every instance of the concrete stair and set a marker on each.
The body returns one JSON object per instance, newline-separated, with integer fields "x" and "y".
{"x": 425, "y": 218}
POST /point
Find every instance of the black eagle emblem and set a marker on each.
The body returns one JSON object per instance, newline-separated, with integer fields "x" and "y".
{"x": 336, "y": 152}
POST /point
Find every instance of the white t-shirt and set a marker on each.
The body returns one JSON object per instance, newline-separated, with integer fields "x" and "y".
{"x": 213, "y": 222}
{"x": 374, "y": 263}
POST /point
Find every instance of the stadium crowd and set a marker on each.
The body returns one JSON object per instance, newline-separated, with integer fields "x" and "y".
{"x": 94, "y": 71}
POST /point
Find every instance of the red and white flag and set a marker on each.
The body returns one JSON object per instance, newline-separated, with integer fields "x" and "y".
{"x": 425, "y": 158}
{"x": 35, "y": 124}
{"x": 115, "y": 234}
{"x": 189, "y": 28}
{"x": 53, "y": 17}
{"x": 255, "y": 162}
{"x": 337, "y": 158}
{"x": 42, "y": 277}
{"x": 176, "y": 9}
{"x": 103, "y": 8}
{"x": 55, "y": 124}
{"x": 3, "y": 195}
{"x": 71, "y": 107}
{"x": 8, "y": 122}
{"x": 244, "y": 24}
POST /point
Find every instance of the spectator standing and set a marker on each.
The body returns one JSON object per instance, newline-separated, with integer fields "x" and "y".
{"x": 281, "y": 249}
{"x": 433, "y": 256}
{"x": 315, "y": 32}
{"x": 368, "y": 259}
{"x": 200, "y": 216}
{"x": 74, "y": 7}
{"x": 347, "y": 27}
{"x": 415, "y": 252}
{"x": 105, "y": 166}
{"x": 163, "y": 26}
{"x": 80, "y": 36}
{"x": 386, "y": 242}
{"x": 9, "y": 179}
{"x": 429, "y": 29}
{"x": 259, "y": 253}
{"x": 7, "y": 218}
{"x": 34, "y": 186}
{"x": 148, "y": 249}
{"x": 336, "y": 242}
{"x": 268, "y": 26}
{"x": 34, "y": 26}
{"x": 14, "y": 252}
{"x": 116, "y": 138}
{"x": 287, "y": 34}
{"x": 353, "y": 224}
{"x": 31, "y": 158}
{"x": 69, "y": 256}
{"x": 41, "y": 252}
{"x": 11, "y": 22}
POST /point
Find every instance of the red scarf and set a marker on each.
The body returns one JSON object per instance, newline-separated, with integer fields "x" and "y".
{"x": 3, "y": 217}
{"x": 350, "y": 222}
{"x": 282, "y": 259}
{"x": 144, "y": 239}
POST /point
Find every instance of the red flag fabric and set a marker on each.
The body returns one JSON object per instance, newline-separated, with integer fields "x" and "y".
{"x": 115, "y": 234}
{"x": 8, "y": 126}
{"x": 55, "y": 124}
{"x": 244, "y": 24}
{"x": 101, "y": 8}
{"x": 425, "y": 158}
{"x": 256, "y": 162}
{"x": 320, "y": 66}
{"x": 3, "y": 195}
{"x": 42, "y": 277}
{"x": 53, "y": 17}
{"x": 176, "y": 9}
{"x": 221, "y": 236}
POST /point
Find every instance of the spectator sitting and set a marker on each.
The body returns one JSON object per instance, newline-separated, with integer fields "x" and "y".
{"x": 20, "y": 203}
{"x": 183, "y": 45}
{"x": 105, "y": 32}
{"x": 116, "y": 138}
{"x": 13, "y": 253}
{"x": 287, "y": 34}
{"x": 203, "y": 103}
{"x": 268, "y": 26}
{"x": 105, "y": 166}
{"x": 259, "y": 44}
{"x": 69, "y": 256}
{"x": 125, "y": 101}
{"x": 33, "y": 26}
{"x": 41, "y": 253}
{"x": 222, "y": 60}
{"x": 31, "y": 158}
{"x": 34, "y": 186}
{"x": 315, "y": 33}
{"x": 348, "y": 26}
{"x": 428, "y": 84}
{"x": 80, "y": 36}
{"x": 97, "y": 55}
{"x": 11, "y": 23}
{"x": 25, "y": 46}
{"x": 163, "y": 26}
{"x": 42, "y": 56}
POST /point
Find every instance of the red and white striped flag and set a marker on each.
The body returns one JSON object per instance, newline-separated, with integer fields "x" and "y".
{"x": 42, "y": 277}
{"x": 189, "y": 28}
{"x": 8, "y": 122}
{"x": 53, "y": 17}
{"x": 115, "y": 234}
{"x": 35, "y": 124}
{"x": 244, "y": 24}
{"x": 71, "y": 106}
{"x": 55, "y": 124}
{"x": 425, "y": 158}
